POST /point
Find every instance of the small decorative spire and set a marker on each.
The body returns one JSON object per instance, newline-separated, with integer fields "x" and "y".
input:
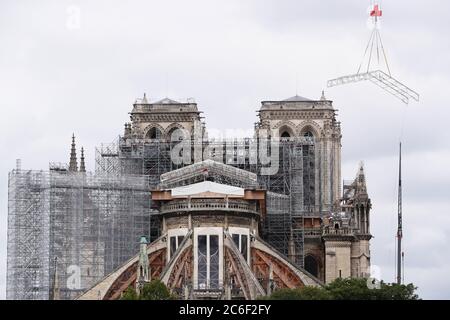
{"x": 143, "y": 272}
{"x": 323, "y": 96}
{"x": 144, "y": 99}
{"x": 73, "y": 166}
{"x": 361, "y": 180}
{"x": 127, "y": 131}
{"x": 82, "y": 165}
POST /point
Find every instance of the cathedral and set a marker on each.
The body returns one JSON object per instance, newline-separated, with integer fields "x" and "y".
{"x": 230, "y": 230}
{"x": 211, "y": 218}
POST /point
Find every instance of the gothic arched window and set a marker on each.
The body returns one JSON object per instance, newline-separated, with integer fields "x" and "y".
{"x": 176, "y": 134}
{"x": 154, "y": 133}
{"x": 311, "y": 265}
{"x": 286, "y": 132}
{"x": 308, "y": 134}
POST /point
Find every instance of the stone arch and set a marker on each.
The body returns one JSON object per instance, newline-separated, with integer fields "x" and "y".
{"x": 154, "y": 126}
{"x": 127, "y": 277}
{"x": 309, "y": 126}
{"x": 182, "y": 270}
{"x": 171, "y": 129}
{"x": 285, "y": 127}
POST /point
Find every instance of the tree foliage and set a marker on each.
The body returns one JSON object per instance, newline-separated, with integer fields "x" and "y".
{"x": 348, "y": 289}
{"x": 304, "y": 293}
{"x": 154, "y": 290}
{"x": 130, "y": 294}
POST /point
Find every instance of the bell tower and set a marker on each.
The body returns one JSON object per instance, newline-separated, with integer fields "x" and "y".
{"x": 298, "y": 117}
{"x": 159, "y": 120}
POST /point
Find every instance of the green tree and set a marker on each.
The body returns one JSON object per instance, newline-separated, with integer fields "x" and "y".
{"x": 398, "y": 292}
{"x": 351, "y": 289}
{"x": 348, "y": 289}
{"x": 303, "y": 293}
{"x": 130, "y": 294}
{"x": 154, "y": 290}
{"x": 357, "y": 289}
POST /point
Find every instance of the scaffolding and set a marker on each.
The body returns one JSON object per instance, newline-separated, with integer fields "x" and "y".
{"x": 89, "y": 223}
{"x": 381, "y": 79}
{"x": 277, "y": 222}
{"x": 28, "y": 235}
{"x": 236, "y": 163}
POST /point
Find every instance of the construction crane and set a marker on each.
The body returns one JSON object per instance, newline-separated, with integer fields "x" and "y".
{"x": 375, "y": 51}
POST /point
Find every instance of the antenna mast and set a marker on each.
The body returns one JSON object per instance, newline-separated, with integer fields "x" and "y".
{"x": 399, "y": 230}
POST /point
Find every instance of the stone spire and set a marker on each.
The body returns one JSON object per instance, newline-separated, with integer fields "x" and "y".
{"x": 361, "y": 180}
{"x": 82, "y": 165}
{"x": 323, "y": 96}
{"x": 73, "y": 166}
{"x": 143, "y": 272}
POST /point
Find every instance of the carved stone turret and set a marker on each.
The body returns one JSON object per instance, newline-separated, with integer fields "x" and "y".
{"x": 82, "y": 164}
{"x": 73, "y": 166}
{"x": 143, "y": 274}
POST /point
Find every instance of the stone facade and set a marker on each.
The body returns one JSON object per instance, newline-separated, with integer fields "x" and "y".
{"x": 328, "y": 253}
{"x": 298, "y": 117}
{"x": 207, "y": 251}
{"x": 158, "y": 120}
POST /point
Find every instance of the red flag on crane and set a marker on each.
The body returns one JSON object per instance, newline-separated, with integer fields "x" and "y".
{"x": 376, "y": 12}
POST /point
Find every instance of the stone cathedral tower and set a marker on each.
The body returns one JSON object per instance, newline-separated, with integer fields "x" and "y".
{"x": 159, "y": 120}
{"x": 302, "y": 117}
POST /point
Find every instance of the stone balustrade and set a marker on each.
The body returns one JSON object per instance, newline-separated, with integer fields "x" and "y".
{"x": 209, "y": 204}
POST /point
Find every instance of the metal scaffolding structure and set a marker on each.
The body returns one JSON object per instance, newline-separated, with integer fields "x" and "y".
{"x": 294, "y": 179}
{"x": 89, "y": 223}
{"x": 381, "y": 79}
{"x": 28, "y": 235}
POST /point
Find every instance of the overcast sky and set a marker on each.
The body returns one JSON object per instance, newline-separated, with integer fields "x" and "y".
{"x": 57, "y": 77}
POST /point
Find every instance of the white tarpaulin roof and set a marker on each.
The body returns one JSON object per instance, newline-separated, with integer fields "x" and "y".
{"x": 207, "y": 187}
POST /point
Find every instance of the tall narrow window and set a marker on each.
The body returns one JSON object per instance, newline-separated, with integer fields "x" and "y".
{"x": 236, "y": 239}
{"x": 214, "y": 261}
{"x": 179, "y": 240}
{"x": 202, "y": 262}
{"x": 244, "y": 246}
{"x": 311, "y": 265}
{"x": 241, "y": 242}
{"x": 173, "y": 246}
